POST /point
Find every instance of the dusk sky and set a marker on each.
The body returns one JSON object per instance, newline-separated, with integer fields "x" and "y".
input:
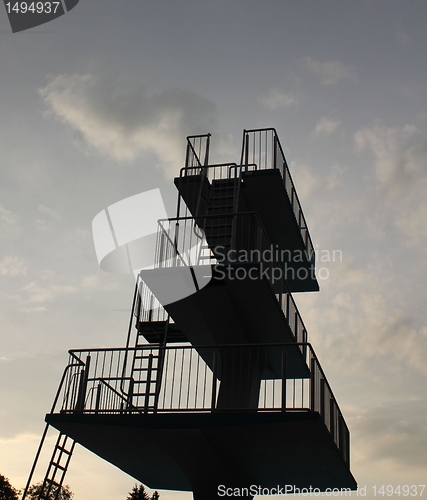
{"x": 95, "y": 107}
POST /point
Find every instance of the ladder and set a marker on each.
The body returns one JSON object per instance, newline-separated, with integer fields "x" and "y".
{"x": 57, "y": 468}
{"x": 222, "y": 203}
{"x": 147, "y": 370}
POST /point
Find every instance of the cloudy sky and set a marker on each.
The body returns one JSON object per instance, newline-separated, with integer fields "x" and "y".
{"x": 95, "y": 107}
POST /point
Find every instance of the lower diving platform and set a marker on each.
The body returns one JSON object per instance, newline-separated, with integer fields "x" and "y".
{"x": 173, "y": 421}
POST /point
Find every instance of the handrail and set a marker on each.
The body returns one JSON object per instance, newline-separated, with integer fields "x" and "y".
{"x": 150, "y": 347}
{"x": 286, "y": 289}
{"x": 190, "y": 146}
{"x": 42, "y": 440}
{"x": 292, "y": 193}
{"x": 190, "y": 385}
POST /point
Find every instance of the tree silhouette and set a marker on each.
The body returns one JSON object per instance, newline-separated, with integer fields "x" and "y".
{"x": 34, "y": 491}
{"x": 7, "y": 491}
{"x": 139, "y": 493}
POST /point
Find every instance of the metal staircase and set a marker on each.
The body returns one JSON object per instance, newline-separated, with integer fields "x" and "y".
{"x": 57, "y": 468}
{"x": 146, "y": 374}
{"x": 218, "y": 224}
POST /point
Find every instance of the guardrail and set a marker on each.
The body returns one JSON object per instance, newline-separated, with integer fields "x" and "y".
{"x": 182, "y": 242}
{"x": 202, "y": 379}
{"x": 262, "y": 147}
{"x": 197, "y": 153}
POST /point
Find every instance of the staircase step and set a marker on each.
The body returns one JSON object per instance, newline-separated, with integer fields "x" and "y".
{"x": 51, "y": 481}
{"x": 220, "y": 210}
{"x": 223, "y": 199}
{"x": 144, "y": 369}
{"x": 64, "y": 450}
{"x": 57, "y": 466}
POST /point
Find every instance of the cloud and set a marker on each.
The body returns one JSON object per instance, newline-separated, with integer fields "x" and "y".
{"x": 395, "y": 431}
{"x": 41, "y": 226}
{"x": 401, "y": 153}
{"x": 278, "y": 99}
{"x": 331, "y": 72}
{"x": 9, "y": 222}
{"x": 365, "y": 330}
{"x": 413, "y": 224}
{"x": 50, "y": 212}
{"x": 47, "y": 287}
{"x": 13, "y": 266}
{"x": 403, "y": 37}
{"x": 401, "y": 170}
{"x": 311, "y": 185}
{"x": 326, "y": 126}
{"x": 121, "y": 120}
{"x": 7, "y": 217}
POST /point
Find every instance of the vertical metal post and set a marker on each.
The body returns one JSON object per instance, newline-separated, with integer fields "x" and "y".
{"x": 208, "y": 140}
{"x": 322, "y": 399}
{"x": 312, "y": 384}
{"x": 148, "y": 383}
{"x": 296, "y": 326}
{"x": 214, "y": 372}
{"x": 274, "y": 150}
{"x": 130, "y": 393}
{"x": 98, "y": 398}
{"x": 246, "y": 148}
{"x": 284, "y": 379}
{"x": 347, "y": 446}
{"x": 161, "y": 249}
{"x": 84, "y": 375}
{"x": 332, "y": 418}
{"x": 176, "y": 243}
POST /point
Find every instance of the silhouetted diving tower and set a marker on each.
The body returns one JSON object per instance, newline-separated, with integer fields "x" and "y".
{"x": 217, "y": 384}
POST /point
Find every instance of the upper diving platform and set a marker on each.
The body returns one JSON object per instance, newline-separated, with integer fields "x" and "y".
{"x": 260, "y": 184}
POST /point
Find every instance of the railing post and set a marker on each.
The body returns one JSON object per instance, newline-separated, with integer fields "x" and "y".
{"x": 98, "y": 398}
{"x": 84, "y": 375}
{"x": 332, "y": 419}
{"x": 130, "y": 393}
{"x": 322, "y": 399}
{"x": 296, "y": 325}
{"x": 161, "y": 249}
{"x": 284, "y": 379}
{"x": 312, "y": 384}
{"x": 347, "y": 447}
{"x": 176, "y": 244}
{"x": 148, "y": 383}
{"x": 246, "y": 149}
{"x": 214, "y": 372}
{"x": 274, "y": 150}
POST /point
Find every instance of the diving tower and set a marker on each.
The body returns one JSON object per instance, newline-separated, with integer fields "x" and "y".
{"x": 217, "y": 384}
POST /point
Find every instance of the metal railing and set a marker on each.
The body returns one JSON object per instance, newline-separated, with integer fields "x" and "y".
{"x": 206, "y": 379}
{"x": 262, "y": 147}
{"x": 231, "y": 240}
{"x": 197, "y": 153}
{"x": 198, "y": 196}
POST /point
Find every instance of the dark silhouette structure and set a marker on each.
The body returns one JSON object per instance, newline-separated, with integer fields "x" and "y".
{"x": 219, "y": 389}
